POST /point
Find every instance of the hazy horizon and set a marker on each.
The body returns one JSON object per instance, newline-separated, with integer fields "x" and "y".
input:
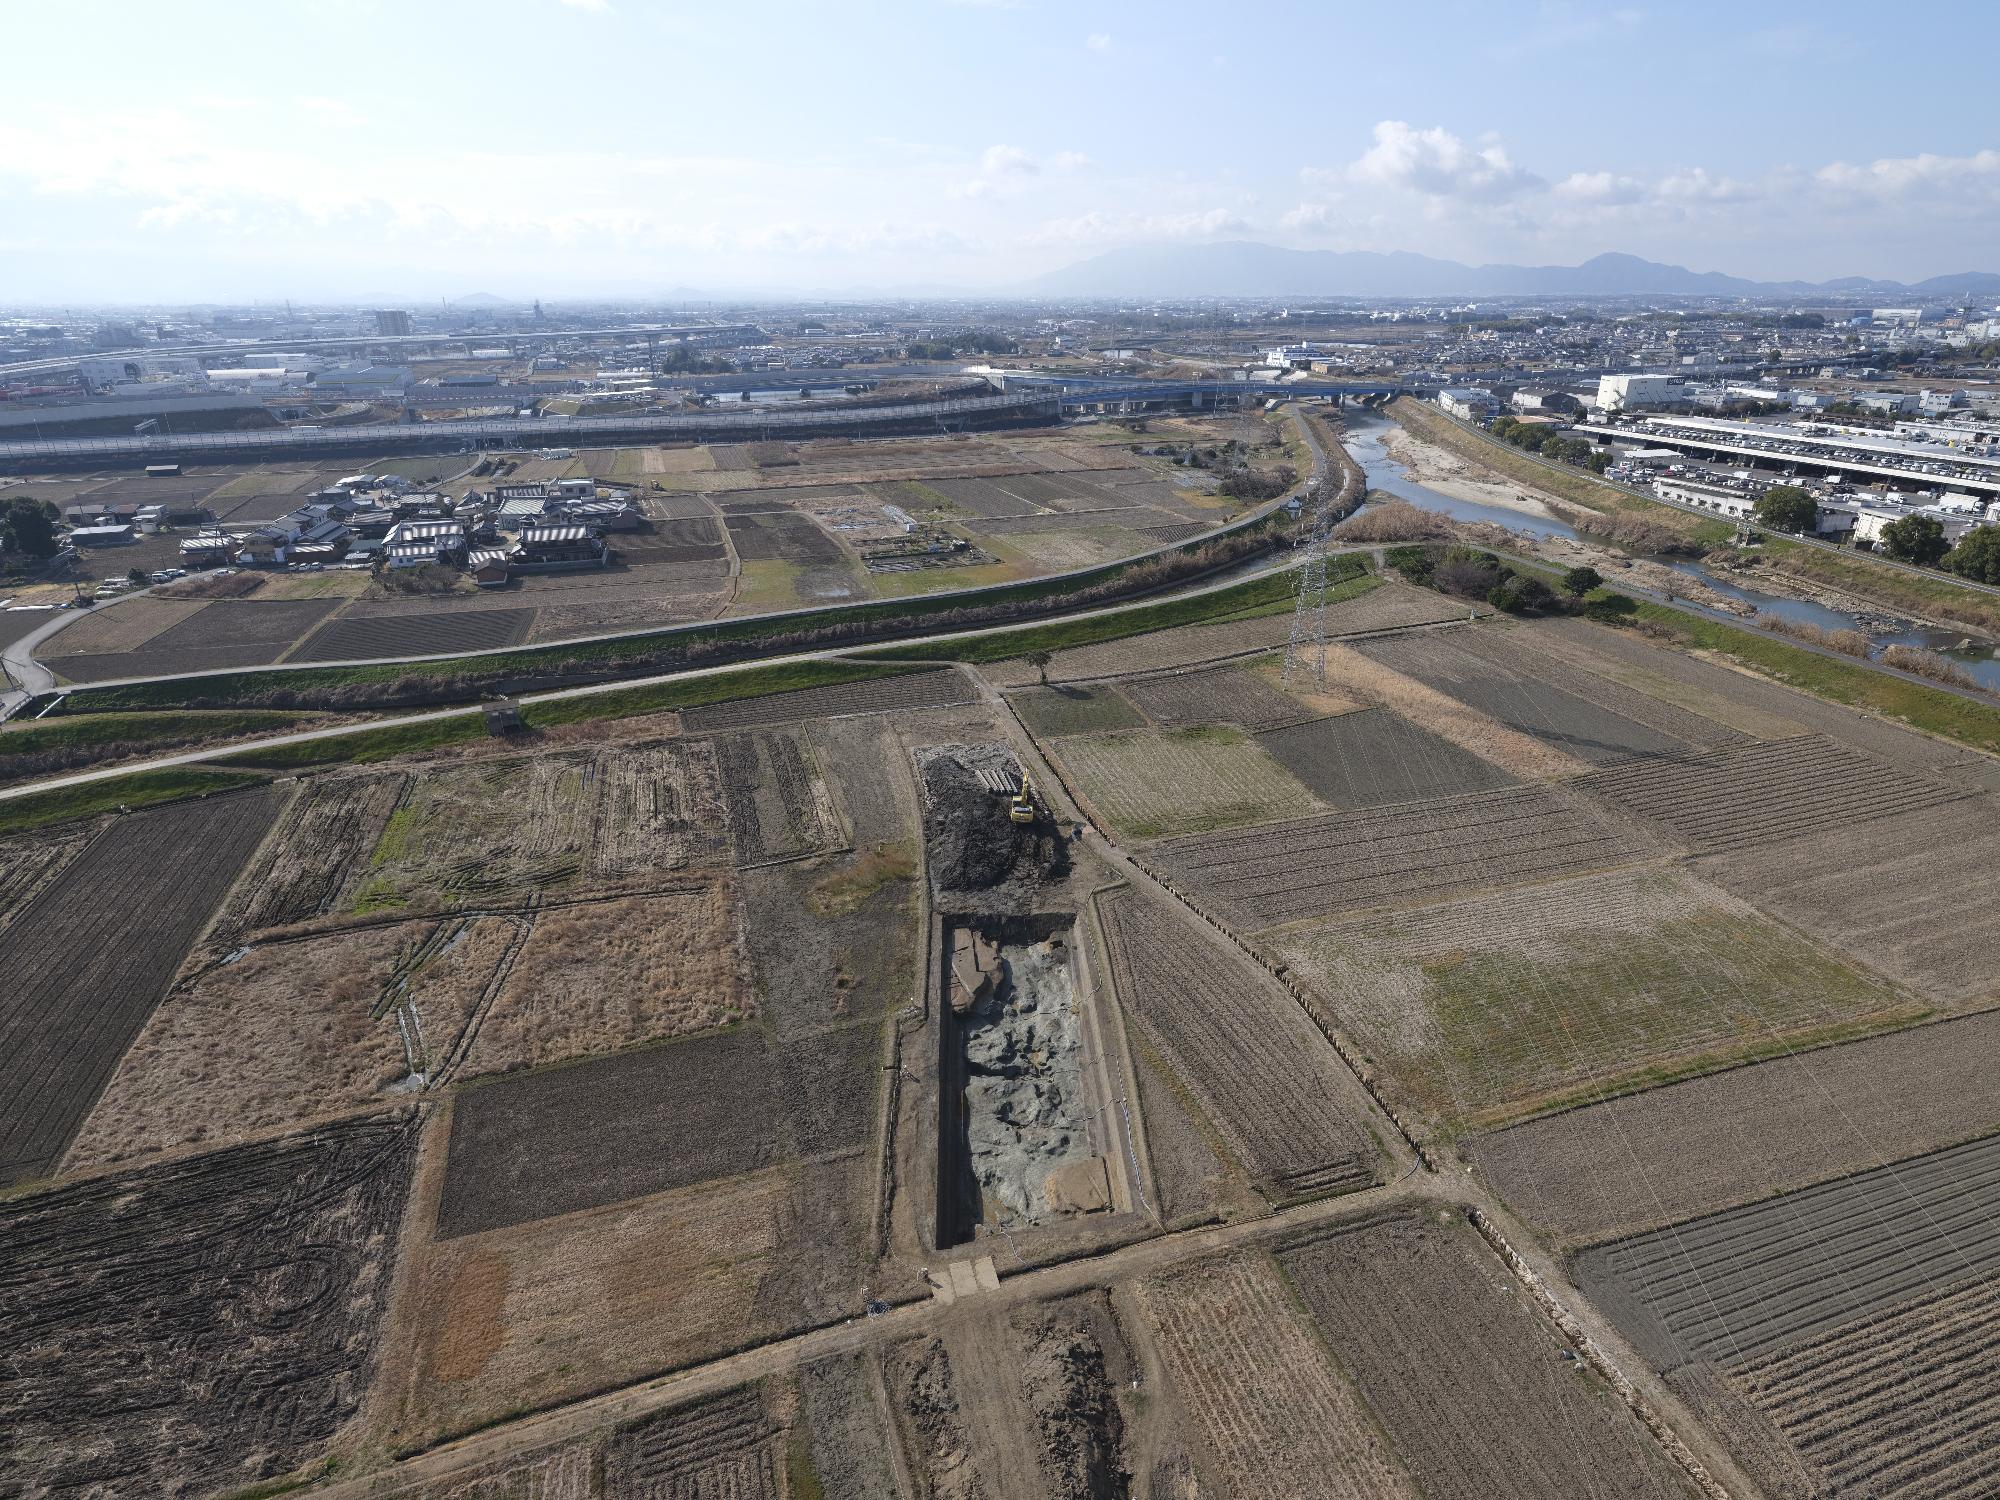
{"x": 621, "y": 150}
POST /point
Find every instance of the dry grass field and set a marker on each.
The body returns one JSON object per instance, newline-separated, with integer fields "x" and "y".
{"x": 1461, "y": 1373}
{"x": 1374, "y": 758}
{"x": 1646, "y": 1160}
{"x": 1152, "y": 783}
{"x": 1276, "y": 1420}
{"x": 597, "y": 976}
{"x": 1054, "y": 711}
{"x": 1493, "y": 1006}
{"x": 1267, "y": 877}
{"x": 1891, "y": 892}
{"x": 1220, "y": 695}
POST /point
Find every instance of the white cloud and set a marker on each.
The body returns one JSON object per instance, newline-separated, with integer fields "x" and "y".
{"x": 1308, "y": 218}
{"x": 1003, "y": 161}
{"x": 1896, "y": 176}
{"x": 1600, "y": 187}
{"x": 1098, "y": 41}
{"x": 1438, "y": 164}
{"x": 1098, "y": 228}
{"x": 1069, "y": 161}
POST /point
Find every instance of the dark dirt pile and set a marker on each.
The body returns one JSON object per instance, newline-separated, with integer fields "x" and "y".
{"x": 1076, "y": 1414}
{"x": 970, "y": 842}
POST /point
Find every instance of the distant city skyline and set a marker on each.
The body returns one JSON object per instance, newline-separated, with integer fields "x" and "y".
{"x": 616, "y": 148}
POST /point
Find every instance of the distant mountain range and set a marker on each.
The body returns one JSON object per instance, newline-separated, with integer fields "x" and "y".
{"x": 1244, "y": 268}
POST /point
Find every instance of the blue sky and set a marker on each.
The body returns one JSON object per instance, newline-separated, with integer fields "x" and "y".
{"x": 223, "y": 149}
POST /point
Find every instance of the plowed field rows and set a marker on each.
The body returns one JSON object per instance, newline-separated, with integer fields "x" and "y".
{"x": 1904, "y": 1403}
{"x": 881, "y": 695}
{"x": 786, "y": 535}
{"x": 779, "y": 805}
{"x": 437, "y": 633}
{"x": 1149, "y": 783}
{"x": 1267, "y": 1078}
{"x": 531, "y": 1145}
{"x": 721, "y": 1447}
{"x": 1757, "y": 793}
{"x": 1891, "y": 891}
{"x": 202, "y": 1326}
{"x": 1346, "y": 861}
{"x": 1223, "y": 695}
{"x": 1737, "y": 1285}
{"x": 1091, "y": 710}
{"x": 988, "y": 499}
{"x": 1461, "y": 1374}
{"x": 91, "y": 956}
{"x": 1375, "y": 758}
{"x": 1277, "y": 1420}
{"x": 1517, "y": 655}
{"x": 1525, "y": 704}
{"x": 30, "y": 861}
{"x": 1493, "y": 1005}
{"x": 1651, "y": 1159}
{"x": 303, "y": 871}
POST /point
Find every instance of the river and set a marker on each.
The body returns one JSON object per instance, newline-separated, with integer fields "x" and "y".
{"x": 1365, "y": 441}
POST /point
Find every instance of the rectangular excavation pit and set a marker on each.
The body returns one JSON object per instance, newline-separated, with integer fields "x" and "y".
{"x": 1021, "y": 1138}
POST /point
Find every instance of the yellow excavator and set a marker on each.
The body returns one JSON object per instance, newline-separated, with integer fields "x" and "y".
{"x": 1021, "y": 806}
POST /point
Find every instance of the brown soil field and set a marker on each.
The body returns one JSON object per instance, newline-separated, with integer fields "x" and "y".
{"x": 693, "y": 460}
{"x": 305, "y": 870}
{"x": 1374, "y": 758}
{"x": 1460, "y": 1371}
{"x": 1904, "y": 1402}
{"x": 790, "y": 536}
{"x": 1647, "y": 1160}
{"x": 1528, "y": 705}
{"x": 92, "y": 955}
{"x": 1523, "y": 656}
{"x": 1502, "y": 1004}
{"x": 531, "y": 1146}
{"x": 597, "y": 976}
{"x": 924, "y": 1391}
{"x": 779, "y": 805}
{"x": 28, "y": 862}
{"x": 124, "y": 626}
{"x": 438, "y": 633}
{"x": 1356, "y": 676}
{"x": 202, "y": 1326}
{"x": 722, "y": 1446}
{"x": 1193, "y": 1173}
{"x": 561, "y": 622}
{"x": 1276, "y": 1420}
{"x": 1221, "y": 695}
{"x": 1265, "y": 877}
{"x": 220, "y": 634}
{"x": 1151, "y": 783}
{"x": 292, "y": 1032}
{"x": 1182, "y": 646}
{"x": 1264, "y": 1075}
{"x": 882, "y": 695}
{"x": 1736, "y": 1285}
{"x": 843, "y": 1434}
{"x": 1049, "y": 712}
{"x": 549, "y": 1311}
{"x": 500, "y": 829}
{"x": 1752, "y": 794}
{"x": 1891, "y": 891}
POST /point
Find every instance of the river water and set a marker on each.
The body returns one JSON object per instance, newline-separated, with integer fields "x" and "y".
{"x": 1365, "y": 440}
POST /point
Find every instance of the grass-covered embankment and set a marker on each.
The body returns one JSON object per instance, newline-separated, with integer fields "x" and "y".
{"x": 139, "y": 789}
{"x": 45, "y": 747}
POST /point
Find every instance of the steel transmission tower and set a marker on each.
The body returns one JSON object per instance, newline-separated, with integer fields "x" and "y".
{"x": 1307, "y": 647}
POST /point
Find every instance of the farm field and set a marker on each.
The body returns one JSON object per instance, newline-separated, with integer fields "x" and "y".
{"x": 289, "y": 1033}
{"x": 125, "y": 625}
{"x": 211, "y": 1323}
{"x": 1459, "y": 1371}
{"x": 1753, "y": 794}
{"x": 883, "y": 695}
{"x": 1373, "y": 758}
{"x": 437, "y": 632}
{"x": 1182, "y": 646}
{"x": 1070, "y": 710}
{"x": 1276, "y": 1420}
{"x": 308, "y": 868}
{"x": 1269, "y": 1082}
{"x": 1890, "y": 892}
{"x": 28, "y": 862}
{"x": 1152, "y": 783}
{"x": 498, "y": 830}
{"x": 1221, "y": 695}
{"x": 779, "y": 805}
{"x": 1267, "y": 877}
{"x": 597, "y": 976}
{"x": 529, "y": 1146}
{"x": 1525, "y": 704}
{"x": 92, "y": 955}
{"x": 224, "y": 633}
{"x": 1646, "y": 1160}
{"x": 1497, "y": 1005}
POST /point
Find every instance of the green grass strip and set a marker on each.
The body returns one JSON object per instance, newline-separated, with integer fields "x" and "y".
{"x": 694, "y": 692}
{"x": 140, "y": 789}
{"x": 1922, "y": 707}
{"x": 135, "y": 733}
{"x": 1270, "y": 593}
{"x": 359, "y": 746}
